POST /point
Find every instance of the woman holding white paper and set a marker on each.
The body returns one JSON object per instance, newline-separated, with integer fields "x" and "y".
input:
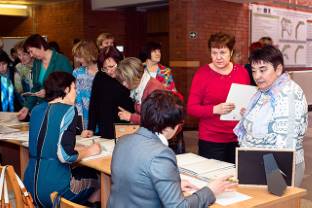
{"x": 276, "y": 117}
{"x": 207, "y": 99}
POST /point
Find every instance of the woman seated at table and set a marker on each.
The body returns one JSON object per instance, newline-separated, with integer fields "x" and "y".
{"x": 144, "y": 169}
{"x": 133, "y": 76}
{"x": 103, "y": 108}
{"x": 276, "y": 117}
{"x": 52, "y": 147}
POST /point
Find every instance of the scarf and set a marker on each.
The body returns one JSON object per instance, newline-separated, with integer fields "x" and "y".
{"x": 137, "y": 93}
{"x": 7, "y": 94}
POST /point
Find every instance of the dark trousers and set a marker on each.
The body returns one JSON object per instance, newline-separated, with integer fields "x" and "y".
{"x": 219, "y": 151}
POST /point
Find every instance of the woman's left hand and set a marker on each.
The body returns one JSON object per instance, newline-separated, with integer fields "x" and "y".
{"x": 186, "y": 186}
{"x": 123, "y": 114}
{"x": 40, "y": 93}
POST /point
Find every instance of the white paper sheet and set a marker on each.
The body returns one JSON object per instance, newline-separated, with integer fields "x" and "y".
{"x": 17, "y": 136}
{"x": 227, "y": 198}
{"x": 240, "y": 95}
{"x": 6, "y": 130}
{"x": 8, "y": 118}
{"x": 213, "y": 175}
{"x": 107, "y": 146}
{"x": 195, "y": 181}
{"x": 188, "y": 158}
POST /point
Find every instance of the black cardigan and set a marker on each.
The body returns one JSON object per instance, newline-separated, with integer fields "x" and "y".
{"x": 106, "y": 95}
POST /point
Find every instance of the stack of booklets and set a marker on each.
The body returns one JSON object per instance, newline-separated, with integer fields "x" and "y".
{"x": 203, "y": 168}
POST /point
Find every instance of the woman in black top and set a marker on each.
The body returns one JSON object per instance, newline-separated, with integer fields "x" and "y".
{"x": 106, "y": 96}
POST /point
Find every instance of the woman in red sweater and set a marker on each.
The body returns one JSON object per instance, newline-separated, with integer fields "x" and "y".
{"x": 207, "y": 99}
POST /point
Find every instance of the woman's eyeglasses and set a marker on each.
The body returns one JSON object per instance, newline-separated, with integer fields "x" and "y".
{"x": 109, "y": 67}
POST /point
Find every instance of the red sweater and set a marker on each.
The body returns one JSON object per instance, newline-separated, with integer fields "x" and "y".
{"x": 208, "y": 89}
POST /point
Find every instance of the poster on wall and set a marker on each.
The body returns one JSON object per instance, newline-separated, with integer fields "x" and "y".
{"x": 291, "y": 32}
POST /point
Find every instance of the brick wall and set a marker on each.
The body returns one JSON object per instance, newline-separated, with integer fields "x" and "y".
{"x": 61, "y": 22}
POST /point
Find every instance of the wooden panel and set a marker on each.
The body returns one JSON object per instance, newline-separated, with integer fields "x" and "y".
{"x": 194, "y": 64}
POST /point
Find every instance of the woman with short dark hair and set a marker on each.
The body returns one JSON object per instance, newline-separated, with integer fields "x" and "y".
{"x": 277, "y": 115}
{"x": 103, "y": 108}
{"x": 52, "y": 138}
{"x": 46, "y": 61}
{"x": 150, "y": 55}
{"x": 144, "y": 169}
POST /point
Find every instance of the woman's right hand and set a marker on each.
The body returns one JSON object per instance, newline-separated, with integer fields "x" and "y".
{"x": 86, "y": 133}
{"x": 21, "y": 115}
{"x": 221, "y": 184}
{"x": 223, "y": 108}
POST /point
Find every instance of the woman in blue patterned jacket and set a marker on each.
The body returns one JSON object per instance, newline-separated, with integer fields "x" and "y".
{"x": 52, "y": 147}
{"x": 277, "y": 114}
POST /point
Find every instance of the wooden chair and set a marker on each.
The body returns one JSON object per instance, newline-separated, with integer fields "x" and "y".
{"x": 64, "y": 203}
{"x": 124, "y": 129}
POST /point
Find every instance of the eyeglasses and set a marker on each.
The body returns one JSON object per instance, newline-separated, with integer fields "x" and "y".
{"x": 109, "y": 67}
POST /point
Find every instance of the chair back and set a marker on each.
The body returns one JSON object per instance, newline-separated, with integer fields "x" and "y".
{"x": 60, "y": 202}
{"x": 12, "y": 185}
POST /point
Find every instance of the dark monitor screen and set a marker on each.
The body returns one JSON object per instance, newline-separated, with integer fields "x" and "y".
{"x": 250, "y": 165}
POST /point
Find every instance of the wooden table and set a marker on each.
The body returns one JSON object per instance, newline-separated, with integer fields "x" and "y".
{"x": 260, "y": 196}
{"x": 103, "y": 166}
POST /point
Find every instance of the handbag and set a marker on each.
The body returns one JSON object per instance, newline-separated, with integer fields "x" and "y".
{"x": 10, "y": 183}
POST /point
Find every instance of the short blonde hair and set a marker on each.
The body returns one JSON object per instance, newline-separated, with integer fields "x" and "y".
{"x": 130, "y": 70}
{"x": 86, "y": 49}
{"x": 102, "y": 37}
{"x": 20, "y": 46}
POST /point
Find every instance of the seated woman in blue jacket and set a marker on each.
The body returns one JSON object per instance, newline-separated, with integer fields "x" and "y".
{"x": 144, "y": 169}
{"x": 52, "y": 139}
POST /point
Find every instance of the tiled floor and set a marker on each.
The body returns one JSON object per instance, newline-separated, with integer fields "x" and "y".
{"x": 190, "y": 138}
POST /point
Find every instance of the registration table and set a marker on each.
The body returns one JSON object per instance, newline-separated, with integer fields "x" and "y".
{"x": 260, "y": 196}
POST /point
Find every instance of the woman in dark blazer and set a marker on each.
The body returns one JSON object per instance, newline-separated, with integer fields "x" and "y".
{"x": 106, "y": 96}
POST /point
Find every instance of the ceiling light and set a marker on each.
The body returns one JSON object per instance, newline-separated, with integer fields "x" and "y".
{"x": 13, "y": 6}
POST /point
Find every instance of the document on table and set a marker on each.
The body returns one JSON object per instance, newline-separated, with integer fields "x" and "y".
{"x": 240, "y": 95}
{"x": 196, "y": 165}
{"x": 231, "y": 197}
{"x": 22, "y": 136}
{"x": 6, "y": 130}
{"x": 107, "y": 146}
{"x": 9, "y": 118}
{"x": 195, "y": 181}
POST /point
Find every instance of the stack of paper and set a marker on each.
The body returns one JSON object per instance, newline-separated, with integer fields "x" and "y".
{"x": 22, "y": 136}
{"x": 198, "y": 166}
{"x": 107, "y": 146}
{"x": 6, "y": 130}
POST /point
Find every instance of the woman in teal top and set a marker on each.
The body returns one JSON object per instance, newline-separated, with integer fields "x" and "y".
{"x": 46, "y": 62}
{"x": 52, "y": 149}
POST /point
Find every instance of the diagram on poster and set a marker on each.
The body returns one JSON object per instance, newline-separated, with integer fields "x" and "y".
{"x": 290, "y": 31}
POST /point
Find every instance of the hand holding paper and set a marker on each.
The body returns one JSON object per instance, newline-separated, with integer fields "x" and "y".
{"x": 240, "y": 95}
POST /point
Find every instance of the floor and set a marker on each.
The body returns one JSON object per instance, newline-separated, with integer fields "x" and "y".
{"x": 190, "y": 138}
